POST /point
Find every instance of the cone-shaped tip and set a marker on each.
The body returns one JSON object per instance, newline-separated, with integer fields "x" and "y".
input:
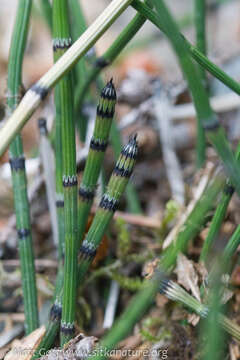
{"x": 109, "y": 92}
{"x": 131, "y": 148}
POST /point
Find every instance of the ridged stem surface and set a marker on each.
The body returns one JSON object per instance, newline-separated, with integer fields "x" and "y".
{"x": 17, "y": 162}
{"x": 65, "y": 135}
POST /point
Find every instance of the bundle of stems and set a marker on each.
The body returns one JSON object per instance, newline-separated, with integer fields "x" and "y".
{"x": 17, "y": 163}
{"x": 66, "y": 153}
{"x": 104, "y": 214}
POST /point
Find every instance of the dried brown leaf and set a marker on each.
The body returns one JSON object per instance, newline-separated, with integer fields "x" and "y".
{"x": 187, "y": 275}
{"x": 24, "y": 348}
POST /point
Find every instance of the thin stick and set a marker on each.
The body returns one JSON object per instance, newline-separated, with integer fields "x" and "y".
{"x": 38, "y": 92}
{"x": 48, "y": 169}
{"x": 172, "y": 165}
{"x": 17, "y": 163}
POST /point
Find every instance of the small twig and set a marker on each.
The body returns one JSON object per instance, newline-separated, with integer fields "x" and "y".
{"x": 48, "y": 169}
{"x": 134, "y": 219}
{"x": 162, "y": 109}
{"x": 39, "y": 263}
{"x": 111, "y": 305}
{"x": 220, "y": 104}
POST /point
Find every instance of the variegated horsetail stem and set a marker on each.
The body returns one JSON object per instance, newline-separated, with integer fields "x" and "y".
{"x": 219, "y": 215}
{"x": 175, "y": 292}
{"x": 197, "y": 55}
{"x": 65, "y": 140}
{"x": 98, "y": 145}
{"x": 37, "y": 93}
{"x": 17, "y": 163}
{"x": 109, "y": 56}
{"x": 64, "y": 115}
{"x": 107, "y": 206}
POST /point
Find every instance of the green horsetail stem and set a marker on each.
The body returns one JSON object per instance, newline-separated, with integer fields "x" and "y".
{"x": 200, "y": 29}
{"x": 66, "y": 134}
{"x": 133, "y": 203}
{"x": 38, "y": 92}
{"x": 78, "y": 26}
{"x": 109, "y": 56}
{"x": 208, "y": 119}
{"x": 63, "y": 105}
{"x": 52, "y": 328}
{"x": 47, "y": 12}
{"x": 98, "y": 145}
{"x": 107, "y": 207}
{"x": 219, "y": 215}
{"x": 217, "y": 221}
{"x": 197, "y": 55}
{"x": 200, "y": 17}
{"x": 17, "y": 163}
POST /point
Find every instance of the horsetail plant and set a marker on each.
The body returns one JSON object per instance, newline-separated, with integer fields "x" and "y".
{"x": 104, "y": 214}
{"x": 17, "y": 163}
{"x": 197, "y": 55}
{"x": 98, "y": 145}
{"x": 38, "y": 92}
{"x": 200, "y": 28}
{"x": 65, "y": 130}
{"x": 107, "y": 206}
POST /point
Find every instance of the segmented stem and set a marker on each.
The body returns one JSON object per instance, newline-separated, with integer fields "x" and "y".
{"x": 66, "y": 134}
{"x": 107, "y": 206}
{"x": 98, "y": 145}
{"x": 17, "y": 163}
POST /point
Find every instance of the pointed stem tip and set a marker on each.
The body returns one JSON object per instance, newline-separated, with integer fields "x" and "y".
{"x": 109, "y": 92}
